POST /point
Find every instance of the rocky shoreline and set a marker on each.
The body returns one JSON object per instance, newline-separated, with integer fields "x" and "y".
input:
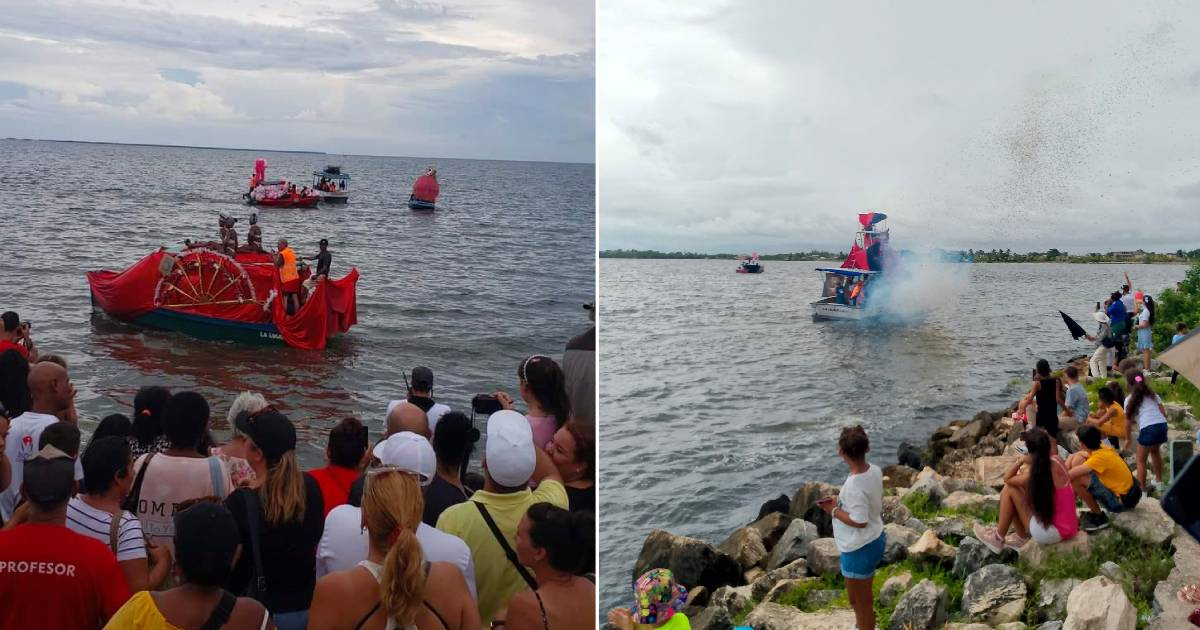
{"x": 781, "y": 571}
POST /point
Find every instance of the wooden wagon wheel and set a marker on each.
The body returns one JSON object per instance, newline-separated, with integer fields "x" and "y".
{"x": 202, "y": 277}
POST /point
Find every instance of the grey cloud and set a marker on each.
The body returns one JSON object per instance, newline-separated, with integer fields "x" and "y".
{"x": 181, "y": 75}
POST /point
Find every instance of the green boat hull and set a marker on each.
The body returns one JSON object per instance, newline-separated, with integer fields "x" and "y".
{"x": 211, "y": 328}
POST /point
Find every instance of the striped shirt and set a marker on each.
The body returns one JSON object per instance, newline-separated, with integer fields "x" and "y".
{"x": 93, "y": 523}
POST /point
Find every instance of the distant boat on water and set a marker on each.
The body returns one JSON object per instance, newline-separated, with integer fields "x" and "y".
{"x": 425, "y": 191}
{"x": 750, "y": 265}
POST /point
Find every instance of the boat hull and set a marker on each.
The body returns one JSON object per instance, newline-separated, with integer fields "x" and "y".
{"x": 833, "y": 310}
{"x": 420, "y": 204}
{"x": 285, "y": 202}
{"x": 755, "y": 269}
{"x": 335, "y": 198}
{"x": 207, "y": 328}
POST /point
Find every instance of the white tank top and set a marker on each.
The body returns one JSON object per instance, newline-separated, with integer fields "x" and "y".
{"x": 376, "y": 570}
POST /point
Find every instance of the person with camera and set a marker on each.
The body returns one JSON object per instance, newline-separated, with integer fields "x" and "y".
{"x": 420, "y": 393}
{"x": 544, "y": 390}
{"x": 15, "y": 336}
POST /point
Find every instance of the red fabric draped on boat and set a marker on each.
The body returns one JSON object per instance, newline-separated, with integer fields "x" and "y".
{"x": 857, "y": 259}
{"x": 426, "y": 188}
{"x": 130, "y": 293}
{"x": 331, "y": 308}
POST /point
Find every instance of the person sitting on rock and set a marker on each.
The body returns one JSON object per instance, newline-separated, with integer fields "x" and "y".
{"x": 1039, "y": 503}
{"x": 658, "y": 600}
{"x": 1110, "y": 417}
{"x": 1101, "y": 477}
{"x": 1075, "y": 411}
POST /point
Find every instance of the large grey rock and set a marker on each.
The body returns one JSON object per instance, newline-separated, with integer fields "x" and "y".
{"x": 1012, "y": 625}
{"x": 930, "y": 548}
{"x": 1147, "y": 522}
{"x": 1036, "y": 554}
{"x": 694, "y": 562}
{"x": 821, "y": 598}
{"x": 994, "y": 594}
{"x": 712, "y": 618}
{"x": 771, "y": 527}
{"x": 910, "y": 455}
{"x": 1051, "y": 625}
{"x": 760, "y": 587}
{"x": 1113, "y": 571}
{"x": 1187, "y": 571}
{"x": 894, "y": 511}
{"x": 989, "y": 470}
{"x": 968, "y": 435}
{"x": 954, "y": 484}
{"x": 915, "y": 524}
{"x": 732, "y": 598}
{"x": 898, "y": 539}
{"x": 974, "y": 555}
{"x": 1177, "y": 412}
{"x": 792, "y": 544}
{"x": 1099, "y": 604}
{"x": 894, "y": 587}
{"x": 921, "y": 608}
{"x": 785, "y": 587}
{"x": 898, "y": 476}
{"x": 804, "y": 505}
{"x": 771, "y": 616}
{"x": 1051, "y": 600}
{"x": 823, "y": 556}
{"x": 932, "y": 487}
{"x": 962, "y": 500}
{"x": 952, "y": 527}
{"x": 745, "y": 546}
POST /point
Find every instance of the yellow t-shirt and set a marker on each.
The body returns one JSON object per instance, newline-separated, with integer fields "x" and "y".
{"x": 1111, "y": 469}
{"x": 1116, "y": 425}
{"x": 496, "y": 579}
{"x": 139, "y": 613}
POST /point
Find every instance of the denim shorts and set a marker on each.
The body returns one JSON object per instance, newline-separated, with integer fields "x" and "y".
{"x": 1109, "y": 500}
{"x": 1153, "y": 435}
{"x": 860, "y": 564}
{"x": 1144, "y": 340}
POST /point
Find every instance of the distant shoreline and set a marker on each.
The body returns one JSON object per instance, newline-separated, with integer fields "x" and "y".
{"x": 945, "y": 256}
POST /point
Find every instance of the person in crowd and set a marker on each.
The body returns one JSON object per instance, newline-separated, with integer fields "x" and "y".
{"x": 279, "y": 521}
{"x": 114, "y": 424}
{"x": 253, "y": 237}
{"x": 1145, "y": 324}
{"x": 1102, "y": 357}
{"x": 420, "y": 393}
{"x": 289, "y": 276}
{"x": 344, "y": 454}
{"x": 1110, "y": 417}
{"x": 54, "y": 358}
{"x": 396, "y": 585}
{"x": 1118, "y": 317}
{"x": 1076, "y": 409}
{"x": 53, "y": 399}
{"x": 1146, "y": 410}
{"x": 178, "y": 473}
{"x": 857, "y": 522}
{"x": 1100, "y": 478}
{"x": 14, "y": 335}
{"x": 573, "y": 451}
{"x": 510, "y": 463}
{"x": 324, "y": 260}
{"x": 234, "y": 452}
{"x": 344, "y": 543}
{"x": 406, "y": 416}
{"x": 229, "y": 241}
{"x": 1038, "y": 504}
{"x": 5, "y": 463}
{"x": 579, "y": 371}
{"x": 558, "y": 547}
{"x": 1047, "y": 394}
{"x": 56, "y": 578}
{"x": 207, "y": 539}
{"x": 1181, "y": 331}
{"x": 657, "y": 603}
{"x": 543, "y": 388}
{"x": 15, "y": 396}
{"x": 453, "y": 442}
{"x": 107, "y": 479}
{"x": 148, "y": 406}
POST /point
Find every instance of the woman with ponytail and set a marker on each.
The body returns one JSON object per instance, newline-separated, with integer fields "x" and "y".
{"x": 1038, "y": 503}
{"x": 394, "y": 587}
{"x": 1145, "y": 323}
{"x": 280, "y": 518}
{"x": 1145, "y": 409}
{"x": 559, "y": 547}
{"x": 544, "y": 390}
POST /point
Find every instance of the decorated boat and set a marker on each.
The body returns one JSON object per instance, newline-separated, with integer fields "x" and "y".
{"x": 331, "y": 184}
{"x": 277, "y": 193}
{"x": 425, "y": 191}
{"x": 750, "y": 265}
{"x": 210, "y": 295}
{"x": 846, "y": 290}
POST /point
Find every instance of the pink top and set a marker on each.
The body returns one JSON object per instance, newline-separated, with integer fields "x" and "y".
{"x": 1066, "y": 521}
{"x": 172, "y": 480}
{"x": 543, "y": 429}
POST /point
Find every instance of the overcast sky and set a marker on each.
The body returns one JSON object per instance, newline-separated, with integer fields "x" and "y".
{"x": 504, "y": 79}
{"x": 738, "y": 126}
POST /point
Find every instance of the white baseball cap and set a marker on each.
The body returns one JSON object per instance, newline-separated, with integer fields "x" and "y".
{"x": 409, "y": 451}
{"x": 509, "y": 454}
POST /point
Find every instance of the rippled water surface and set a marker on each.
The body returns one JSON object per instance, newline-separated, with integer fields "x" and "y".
{"x": 719, "y": 392}
{"x": 498, "y": 273}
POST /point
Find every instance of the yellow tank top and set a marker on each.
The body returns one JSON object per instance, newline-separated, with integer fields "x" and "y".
{"x": 288, "y": 272}
{"x": 140, "y": 612}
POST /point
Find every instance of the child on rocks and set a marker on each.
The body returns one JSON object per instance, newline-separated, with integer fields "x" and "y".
{"x": 658, "y": 601}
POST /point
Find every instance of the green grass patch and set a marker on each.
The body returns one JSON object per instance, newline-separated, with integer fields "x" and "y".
{"x": 740, "y": 618}
{"x": 798, "y": 598}
{"x": 936, "y": 573}
{"x": 925, "y": 508}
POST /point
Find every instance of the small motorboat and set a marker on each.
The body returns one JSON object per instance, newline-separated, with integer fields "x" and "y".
{"x": 331, "y": 184}
{"x": 425, "y": 192}
{"x": 845, "y": 294}
{"x": 278, "y": 193}
{"x": 750, "y": 265}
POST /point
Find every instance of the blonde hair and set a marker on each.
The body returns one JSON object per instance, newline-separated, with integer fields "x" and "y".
{"x": 245, "y": 401}
{"x": 392, "y": 506}
{"x": 282, "y": 493}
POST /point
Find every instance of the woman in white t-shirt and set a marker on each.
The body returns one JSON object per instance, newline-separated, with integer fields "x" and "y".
{"x": 1145, "y": 322}
{"x": 858, "y": 523}
{"x": 1145, "y": 409}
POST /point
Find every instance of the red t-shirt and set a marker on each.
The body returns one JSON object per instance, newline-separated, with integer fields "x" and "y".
{"x": 51, "y": 577}
{"x": 335, "y": 483}
{"x": 7, "y": 345}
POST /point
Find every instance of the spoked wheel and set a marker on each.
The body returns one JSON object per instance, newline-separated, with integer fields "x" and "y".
{"x": 202, "y": 277}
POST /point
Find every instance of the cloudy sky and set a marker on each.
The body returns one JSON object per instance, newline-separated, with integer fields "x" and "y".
{"x": 732, "y": 126}
{"x": 504, "y": 79}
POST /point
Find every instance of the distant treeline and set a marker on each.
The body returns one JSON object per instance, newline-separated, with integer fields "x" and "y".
{"x": 650, "y": 253}
{"x": 968, "y": 255}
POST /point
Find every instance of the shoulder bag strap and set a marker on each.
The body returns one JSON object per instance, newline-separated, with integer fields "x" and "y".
{"x": 135, "y": 494}
{"x": 508, "y": 550}
{"x": 221, "y": 613}
{"x": 258, "y": 581}
{"x": 114, "y": 530}
{"x": 215, "y": 474}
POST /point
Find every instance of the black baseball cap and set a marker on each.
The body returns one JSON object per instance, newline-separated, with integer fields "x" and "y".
{"x": 270, "y": 431}
{"x": 49, "y": 477}
{"x": 422, "y": 378}
{"x": 11, "y": 320}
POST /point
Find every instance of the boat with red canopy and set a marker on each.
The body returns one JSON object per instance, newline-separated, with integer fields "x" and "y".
{"x": 846, "y": 290}
{"x": 211, "y": 295}
{"x": 425, "y": 191}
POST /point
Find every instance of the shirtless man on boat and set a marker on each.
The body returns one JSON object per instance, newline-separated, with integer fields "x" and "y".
{"x": 253, "y": 238}
{"x": 228, "y": 242}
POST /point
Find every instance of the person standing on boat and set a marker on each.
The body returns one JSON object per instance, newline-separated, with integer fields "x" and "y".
{"x": 229, "y": 238}
{"x": 253, "y": 237}
{"x": 289, "y": 276}
{"x": 324, "y": 260}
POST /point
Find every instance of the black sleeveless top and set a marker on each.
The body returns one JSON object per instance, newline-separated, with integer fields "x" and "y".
{"x": 1047, "y": 405}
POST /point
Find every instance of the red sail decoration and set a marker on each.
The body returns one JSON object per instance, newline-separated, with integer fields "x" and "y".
{"x": 857, "y": 259}
{"x": 233, "y": 290}
{"x": 426, "y": 188}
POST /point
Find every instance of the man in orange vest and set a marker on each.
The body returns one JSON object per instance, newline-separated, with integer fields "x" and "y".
{"x": 289, "y": 276}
